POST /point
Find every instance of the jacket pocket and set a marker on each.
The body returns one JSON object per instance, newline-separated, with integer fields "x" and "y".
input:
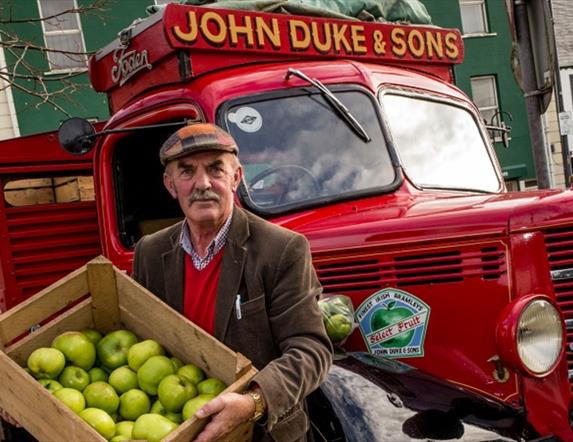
{"x": 253, "y": 306}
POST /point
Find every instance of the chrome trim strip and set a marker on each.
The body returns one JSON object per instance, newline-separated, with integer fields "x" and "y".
{"x": 557, "y": 275}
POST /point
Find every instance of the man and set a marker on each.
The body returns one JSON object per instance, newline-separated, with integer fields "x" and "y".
{"x": 246, "y": 281}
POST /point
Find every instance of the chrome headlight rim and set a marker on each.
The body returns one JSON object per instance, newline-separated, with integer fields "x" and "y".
{"x": 508, "y": 333}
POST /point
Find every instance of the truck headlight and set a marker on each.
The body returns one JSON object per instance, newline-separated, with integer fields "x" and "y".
{"x": 530, "y": 335}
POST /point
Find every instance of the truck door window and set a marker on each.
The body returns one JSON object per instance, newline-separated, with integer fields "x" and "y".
{"x": 296, "y": 151}
{"x": 439, "y": 144}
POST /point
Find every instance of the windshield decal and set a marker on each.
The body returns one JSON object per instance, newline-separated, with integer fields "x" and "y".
{"x": 393, "y": 323}
{"x": 247, "y": 119}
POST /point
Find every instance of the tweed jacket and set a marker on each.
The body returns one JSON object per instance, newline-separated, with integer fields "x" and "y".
{"x": 280, "y": 327}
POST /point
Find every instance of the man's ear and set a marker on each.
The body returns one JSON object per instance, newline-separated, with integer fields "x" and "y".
{"x": 237, "y": 177}
{"x": 169, "y": 185}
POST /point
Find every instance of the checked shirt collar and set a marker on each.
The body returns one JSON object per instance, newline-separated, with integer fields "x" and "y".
{"x": 215, "y": 247}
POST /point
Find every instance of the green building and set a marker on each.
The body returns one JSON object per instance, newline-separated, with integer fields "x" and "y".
{"x": 485, "y": 75}
{"x": 38, "y": 105}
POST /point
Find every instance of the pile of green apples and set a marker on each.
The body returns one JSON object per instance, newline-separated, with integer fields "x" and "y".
{"x": 125, "y": 388}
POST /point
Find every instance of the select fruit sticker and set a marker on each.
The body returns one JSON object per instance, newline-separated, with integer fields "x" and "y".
{"x": 393, "y": 323}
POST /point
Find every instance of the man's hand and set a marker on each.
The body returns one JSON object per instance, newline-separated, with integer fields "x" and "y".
{"x": 227, "y": 412}
{"x": 6, "y": 417}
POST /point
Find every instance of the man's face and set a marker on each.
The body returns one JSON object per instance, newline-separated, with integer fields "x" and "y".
{"x": 204, "y": 183}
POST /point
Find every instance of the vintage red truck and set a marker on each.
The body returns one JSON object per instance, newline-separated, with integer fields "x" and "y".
{"x": 353, "y": 134}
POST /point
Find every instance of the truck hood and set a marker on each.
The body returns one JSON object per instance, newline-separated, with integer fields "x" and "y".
{"x": 404, "y": 217}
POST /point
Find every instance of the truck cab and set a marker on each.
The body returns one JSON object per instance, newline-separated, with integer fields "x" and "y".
{"x": 354, "y": 135}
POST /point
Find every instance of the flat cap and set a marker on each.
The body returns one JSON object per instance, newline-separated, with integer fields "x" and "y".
{"x": 199, "y": 137}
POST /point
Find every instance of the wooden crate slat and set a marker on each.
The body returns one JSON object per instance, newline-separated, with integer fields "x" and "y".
{"x": 103, "y": 290}
{"x": 117, "y": 302}
{"x": 52, "y": 421}
{"x": 77, "y": 318}
{"x": 42, "y": 305}
{"x": 191, "y": 427}
{"x": 182, "y": 337}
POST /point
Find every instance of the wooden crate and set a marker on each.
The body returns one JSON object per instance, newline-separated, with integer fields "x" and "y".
{"x": 104, "y": 298}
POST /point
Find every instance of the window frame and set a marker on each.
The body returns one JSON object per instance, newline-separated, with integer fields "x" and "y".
{"x": 53, "y": 69}
{"x": 242, "y": 191}
{"x": 495, "y": 94}
{"x": 484, "y": 17}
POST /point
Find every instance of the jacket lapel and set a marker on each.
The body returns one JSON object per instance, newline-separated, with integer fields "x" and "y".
{"x": 231, "y": 272}
{"x": 174, "y": 272}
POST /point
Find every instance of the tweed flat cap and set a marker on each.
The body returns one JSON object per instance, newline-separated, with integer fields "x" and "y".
{"x": 199, "y": 137}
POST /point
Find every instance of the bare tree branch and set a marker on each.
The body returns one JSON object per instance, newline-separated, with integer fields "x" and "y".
{"x": 97, "y": 5}
{"x": 47, "y": 82}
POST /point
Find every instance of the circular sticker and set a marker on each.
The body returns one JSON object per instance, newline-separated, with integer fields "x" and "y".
{"x": 247, "y": 119}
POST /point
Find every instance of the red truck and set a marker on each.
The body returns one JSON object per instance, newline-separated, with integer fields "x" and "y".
{"x": 353, "y": 134}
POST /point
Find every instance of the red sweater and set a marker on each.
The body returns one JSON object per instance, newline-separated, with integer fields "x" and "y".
{"x": 201, "y": 292}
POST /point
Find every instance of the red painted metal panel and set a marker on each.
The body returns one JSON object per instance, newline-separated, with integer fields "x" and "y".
{"x": 46, "y": 242}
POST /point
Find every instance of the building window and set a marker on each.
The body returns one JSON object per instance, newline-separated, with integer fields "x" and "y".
{"x": 484, "y": 94}
{"x": 63, "y": 33}
{"x": 474, "y": 18}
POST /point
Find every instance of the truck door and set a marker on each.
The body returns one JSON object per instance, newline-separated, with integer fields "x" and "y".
{"x": 48, "y": 216}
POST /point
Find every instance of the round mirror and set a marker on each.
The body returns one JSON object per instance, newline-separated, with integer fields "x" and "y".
{"x": 76, "y": 136}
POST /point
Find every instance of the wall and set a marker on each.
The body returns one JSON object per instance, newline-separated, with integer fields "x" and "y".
{"x": 8, "y": 121}
{"x": 490, "y": 54}
{"x": 99, "y": 29}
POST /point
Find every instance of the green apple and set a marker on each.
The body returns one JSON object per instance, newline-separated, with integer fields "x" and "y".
{"x": 174, "y": 391}
{"x": 152, "y": 372}
{"x": 191, "y": 372}
{"x": 124, "y": 428}
{"x": 193, "y": 404}
{"x": 103, "y": 396}
{"x": 119, "y": 438}
{"x": 133, "y": 404}
{"x": 77, "y": 348}
{"x": 152, "y": 427}
{"x": 100, "y": 421}
{"x": 72, "y": 398}
{"x": 142, "y": 351}
{"x": 50, "y": 384}
{"x": 74, "y": 377}
{"x": 211, "y": 386}
{"x": 158, "y": 408}
{"x": 98, "y": 374}
{"x": 112, "y": 349}
{"x": 384, "y": 317}
{"x": 46, "y": 363}
{"x": 93, "y": 335}
{"x": 123, "y": 379}
{"x": 177, "y": 364}
{"x": 338, "y": 327}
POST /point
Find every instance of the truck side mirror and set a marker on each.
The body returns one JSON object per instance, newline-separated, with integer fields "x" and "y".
{"x": 76, "y": 136}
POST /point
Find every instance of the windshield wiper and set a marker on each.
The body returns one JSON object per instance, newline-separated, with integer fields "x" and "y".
{"x": 334, "y": 102}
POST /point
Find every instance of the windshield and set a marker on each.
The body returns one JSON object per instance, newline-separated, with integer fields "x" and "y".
{"x": 439, "y": 144}
{"x": 297, "y": 151}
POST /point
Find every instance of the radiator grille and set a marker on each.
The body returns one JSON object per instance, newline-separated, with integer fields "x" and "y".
{"x": 356, "y": 273}
{"x": 559, "y": 245}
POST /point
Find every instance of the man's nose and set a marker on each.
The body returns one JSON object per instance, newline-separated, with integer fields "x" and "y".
{"x": 202, "y": 180}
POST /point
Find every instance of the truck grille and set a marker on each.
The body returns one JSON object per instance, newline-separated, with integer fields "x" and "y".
{"x": 559, "y": 245}
{"x": 376, "y": 271}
